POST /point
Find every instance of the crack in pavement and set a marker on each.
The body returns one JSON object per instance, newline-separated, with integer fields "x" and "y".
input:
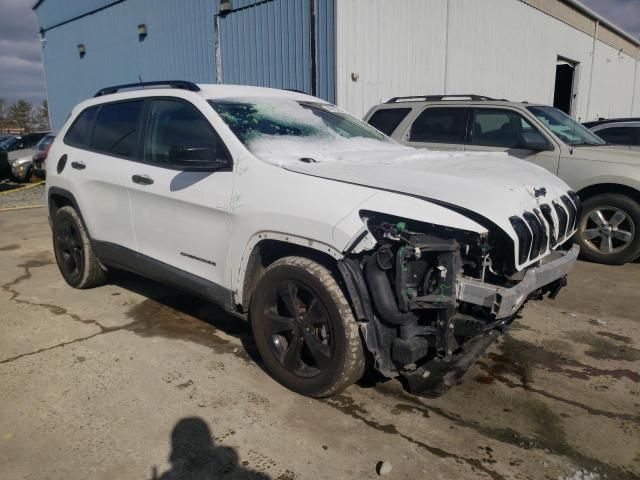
{"x": 54, "y": 309}
{"x": 593, "y": 411}
{"x": 347, "y": 405}
{"x": 550, "y": 437}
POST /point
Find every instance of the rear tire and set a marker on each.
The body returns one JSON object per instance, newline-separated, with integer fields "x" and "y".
{"x": 78, "y": 264}
{"x": 609, "y": 230}
{"x": 304, "y": 328}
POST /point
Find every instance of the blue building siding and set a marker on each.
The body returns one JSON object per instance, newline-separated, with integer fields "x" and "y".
{"x": 266, "y": 44}
{"x": 326, "y": 50}
{"x": 52, "y": 13}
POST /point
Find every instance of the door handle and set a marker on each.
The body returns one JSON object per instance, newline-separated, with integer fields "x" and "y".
{"x": 142, "y": 179}
{"x": 78, "y": 165}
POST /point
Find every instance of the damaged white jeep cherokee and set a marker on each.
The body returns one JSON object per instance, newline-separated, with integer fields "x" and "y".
{"x": 339, "y": 243}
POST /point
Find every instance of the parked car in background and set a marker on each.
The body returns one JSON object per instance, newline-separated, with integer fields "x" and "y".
{"x": 40, "y": 157}
{"x": 22, "y": 141}
{"x": 606, "y": 177}
{"x": 617, "y": 131}
{"x": 21, "y": 168}
{"x": 282, "y": 206}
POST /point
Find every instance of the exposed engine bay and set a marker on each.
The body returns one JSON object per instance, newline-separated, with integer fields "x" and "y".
{"x": 409, "y": 289}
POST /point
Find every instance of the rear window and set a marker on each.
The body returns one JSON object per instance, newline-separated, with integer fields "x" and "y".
{"x": 388, "y": 119}
{"x": 116, "y": 128}
{"x": 439, "y": 125}
{"x": 79, "y": 135}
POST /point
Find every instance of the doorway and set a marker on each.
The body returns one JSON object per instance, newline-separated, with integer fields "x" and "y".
{"x": 565, "y": 92}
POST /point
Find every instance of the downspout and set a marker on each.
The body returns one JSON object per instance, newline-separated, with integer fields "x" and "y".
{"x": 446, "y": 50}
{"x": 593, "y": 61}
{"x": 635, "y": 80}
{"x": 218, "y": 50}
{"x": 314, "y": 49}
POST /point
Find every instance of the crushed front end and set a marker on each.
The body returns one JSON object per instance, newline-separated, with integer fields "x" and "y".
{"x": 431, "y": 300}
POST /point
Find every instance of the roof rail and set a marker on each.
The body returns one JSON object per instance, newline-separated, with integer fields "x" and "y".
{"x": 181, "y": 84}
{"x": 438, "y": 98}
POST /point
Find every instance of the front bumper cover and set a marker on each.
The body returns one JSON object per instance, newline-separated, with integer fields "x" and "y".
{"x": 504, "y": 301}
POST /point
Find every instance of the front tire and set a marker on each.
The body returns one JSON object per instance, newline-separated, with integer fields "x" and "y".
{"x": 304, "y": 328}
{"x": 609, "y": 230}
{"x": 78, "y": 264}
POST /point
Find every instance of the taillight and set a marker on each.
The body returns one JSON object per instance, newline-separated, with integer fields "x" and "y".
{"x": 46, "y": 152}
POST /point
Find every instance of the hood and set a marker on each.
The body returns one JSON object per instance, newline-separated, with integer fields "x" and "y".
{"x": 495, "y": 186}
{"x": 609, "y": 154}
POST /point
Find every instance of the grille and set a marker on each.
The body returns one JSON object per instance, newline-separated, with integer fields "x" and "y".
{"x": 538, "y": 231}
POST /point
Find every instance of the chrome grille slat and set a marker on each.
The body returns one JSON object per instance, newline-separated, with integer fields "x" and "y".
{"x": 562, "y": 220}
{"x": 537, "y": 232}
{"x": 546, "y": 212}
{"x": 571, "y": 223}
{"x": 547, "y": 226}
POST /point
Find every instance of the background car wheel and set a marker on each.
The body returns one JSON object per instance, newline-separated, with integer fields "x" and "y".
{"x": 609, "y": 230}
{"x": 77, "y": 262}
{"x": 304, "y": 328}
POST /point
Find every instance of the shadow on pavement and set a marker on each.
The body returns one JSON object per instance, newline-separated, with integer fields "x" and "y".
{"x": 171, "y": 313}
{"x": 194, "y": 456}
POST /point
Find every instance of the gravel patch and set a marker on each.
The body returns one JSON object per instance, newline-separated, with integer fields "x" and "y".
{"x": 20, "y": 196}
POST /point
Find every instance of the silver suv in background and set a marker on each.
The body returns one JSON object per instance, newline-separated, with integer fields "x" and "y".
{"x": 606, "y": 177}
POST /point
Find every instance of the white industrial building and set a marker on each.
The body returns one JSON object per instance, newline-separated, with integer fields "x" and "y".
{"x": 500, "y": 48}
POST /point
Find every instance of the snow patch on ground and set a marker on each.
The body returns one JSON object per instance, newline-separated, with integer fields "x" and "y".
{"x": 581, "y": 475}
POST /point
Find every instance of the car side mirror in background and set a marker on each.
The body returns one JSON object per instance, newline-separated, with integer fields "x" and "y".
{"x": 196, "y": 157}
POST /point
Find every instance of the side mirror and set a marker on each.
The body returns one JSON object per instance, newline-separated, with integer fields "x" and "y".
{"x": 536, "y": 142}
{"x": 199, "y": 157}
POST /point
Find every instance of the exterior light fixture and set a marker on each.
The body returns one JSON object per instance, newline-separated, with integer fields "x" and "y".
{"x": 142, "y": 31}
{"x": 82, "y": 50}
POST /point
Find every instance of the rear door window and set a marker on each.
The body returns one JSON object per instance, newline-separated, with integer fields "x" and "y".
{"x": 79, "y": 135}
{"x": 440, "y": 125}
{"x": 620, "y": 135}
{"x": 387, "y": 119}
{"x": 116, "y": 129}
{"x": 495, "y": 127}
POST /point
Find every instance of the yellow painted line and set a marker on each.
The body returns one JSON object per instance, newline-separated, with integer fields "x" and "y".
{"x": 9, "y": 209}
{"x": 31, "y": 185}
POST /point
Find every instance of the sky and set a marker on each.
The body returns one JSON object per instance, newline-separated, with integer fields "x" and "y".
{"x": 21, "y": 72}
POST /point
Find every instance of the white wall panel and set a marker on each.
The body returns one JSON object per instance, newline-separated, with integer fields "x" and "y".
{"x": 394, "y": 47}
{"x": 499, "y": 48}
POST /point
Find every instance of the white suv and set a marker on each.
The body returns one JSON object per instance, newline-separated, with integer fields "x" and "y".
{"x": 339, "y": 243}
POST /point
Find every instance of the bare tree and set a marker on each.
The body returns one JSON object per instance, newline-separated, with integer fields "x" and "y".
{"x": 41, "y": 117}
{"x": 3, "y": 114}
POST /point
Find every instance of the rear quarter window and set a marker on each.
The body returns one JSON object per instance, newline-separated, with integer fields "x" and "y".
{"x": 116, "y": 128}
{"x": 440, "y": 125}
{"x": 79, "y": 134}
{"x": 387, "y": 119}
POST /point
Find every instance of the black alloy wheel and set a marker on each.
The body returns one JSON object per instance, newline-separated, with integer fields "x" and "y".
{"x": 299, "y": 329}
{"x": 304, "y": 328}
{"x": 69, "y": 249}
{"x": 76, "y": 260}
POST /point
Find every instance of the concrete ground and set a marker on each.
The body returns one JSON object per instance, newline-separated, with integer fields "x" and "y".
{"x": 133, "y": 379}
